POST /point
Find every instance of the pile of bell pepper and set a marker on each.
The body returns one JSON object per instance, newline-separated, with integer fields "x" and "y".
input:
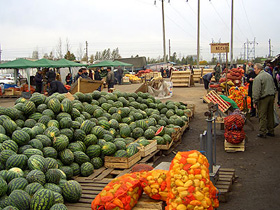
{"x": 238, "y": 95}
{"x": 121, "y": 193}
{"x": 189, "y": 183}
{"x": 185, "y": 186}
{"x": 154, "y": 184}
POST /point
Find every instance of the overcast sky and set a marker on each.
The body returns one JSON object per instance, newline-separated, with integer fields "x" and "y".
{"x": 135, "y": 26}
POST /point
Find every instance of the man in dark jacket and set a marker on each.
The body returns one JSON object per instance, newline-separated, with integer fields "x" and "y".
{"x": 39, "y": 81}
{"x": 206, "y": 79}
{"x": 120, "y": 75}
{"x": 110, "y": 78}
{"x": 250, "y": 78}
{"x": 80, "y": 74}
{"x": 97, "y": 74}
{"x": 56, "y": 87}
{"x": 51, "y": 75}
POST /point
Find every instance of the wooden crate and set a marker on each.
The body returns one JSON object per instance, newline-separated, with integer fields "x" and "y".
{"x": 197, "y": 75}
{"x": 165, "y": 147}
{"x": 18, "y": 93}
{"x": 181, "y": 78}
{"x": 122, "y": 162}
{"x": 145, "y": 151}
{"x": 192, "y": 108}
{"x": 235, "y": 147}
{"x": 212, "y": 96}
{"x": 9, "y": 92}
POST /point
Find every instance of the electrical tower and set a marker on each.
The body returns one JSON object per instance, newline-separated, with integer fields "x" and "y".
{"x": 251, "y": 49}
{"x": 269, "y": 48}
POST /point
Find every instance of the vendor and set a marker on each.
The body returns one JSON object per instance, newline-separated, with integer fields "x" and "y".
{"x": 206, "y": 79}
{"x": 56, "y": 87}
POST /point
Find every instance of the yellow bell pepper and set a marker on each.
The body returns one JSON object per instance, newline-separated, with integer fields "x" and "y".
{"x": 191, "y": 160}
{"x": 181, "y": 207}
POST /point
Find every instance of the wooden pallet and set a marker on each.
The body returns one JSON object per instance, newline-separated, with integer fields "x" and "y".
{"x": 91, "y": 188}
{"x": 165, "y": 147}
{"x": 234, "y": 147}
{"x": 226, "y": 178}
{"x": 150, "y": 148}
{"x": 151, "y": 158}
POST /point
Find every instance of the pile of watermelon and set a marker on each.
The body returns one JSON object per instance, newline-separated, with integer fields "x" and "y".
{"x": 45, "y": 141}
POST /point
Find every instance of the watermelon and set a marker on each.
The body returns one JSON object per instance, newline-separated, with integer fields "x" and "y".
{"x": 58, "y": 198}
{"x": 29, "y": 108}
{"x": 46, "y": 141}
{"x": 98, "y": 131}
{"x": 65, "y": 122}
{"x": 9, "y": 144}
{"x": 42, "y": 107}
{"x": 37, "y": 162}
{"x": 20, "y": 137}
{"x": 87, "y": 126}
{"x": 125, "y": 131}
{"x": 30, "y": 152}
{"x": 10, "y": 126}
{"x": 54, "y": 105}
{"x": 51, "y": 163}
{"x": 49, "y": 113}
{"x": 131, "y": 150}
{"x": 66, "y": 106}
{"x": 19, "y": 161}
{"x": 90, "y": 139}
{"x": 72, "y": 191}
{"x": 93, "y": 151}
{"x": 20, "y": 199}
{"x": 79, "y": 135}
{"x": 68, "y": 171}
{"x": 13, "y": 173}
{"x": 60, "y": 142}
{"x": 36, "y": 176}
{"x": 160, "y": 131}
{"x": 17, "y": 184}
{"x": 77, "y": 146}
{"x": 49, "y": 152}
{"x": 66, "y": 156}
{"x": 137, "y": 132}
{"x": 42, "y": 200}
{"x": 52, "y": 132}
{"x": 58, "y": 206}
{"x": 53, "y": 187}
{"x": 5, "y": 154}
{"x": 86, "y": 169}
{"x": 76, "y": 169}
{"x": 120, "y": 153}
{"x": 32, "y": 188}
{"x": 37, "y": 144}
{"x": 80, "y": 157}
{"x": 97, "y": 162}
{"x": 109, "y": 148}
{"x": 3, "y": 187}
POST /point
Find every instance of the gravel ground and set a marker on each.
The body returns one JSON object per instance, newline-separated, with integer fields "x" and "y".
{"x": 258, "y": 168}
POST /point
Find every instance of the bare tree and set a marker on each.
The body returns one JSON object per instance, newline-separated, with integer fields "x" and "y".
{"x": 59, "y": 54}
{"x": 80, "y": 52}
{"x": 68, "y": 46}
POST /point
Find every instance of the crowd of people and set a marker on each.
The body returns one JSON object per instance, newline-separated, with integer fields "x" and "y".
{"x": 264, "y": 83}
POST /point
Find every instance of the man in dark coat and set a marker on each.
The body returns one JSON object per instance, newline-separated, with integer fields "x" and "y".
{"x": 110, "y": 78}
{"x": 250, "y": 78}
{"x": 120, "y": 75}
{"x": 97, "y": 74}
{"x": 56, "y": 87}
{"x": 80, "y": 74}
{"x": 51, "y": 75}
{"x": 39, "y": 81}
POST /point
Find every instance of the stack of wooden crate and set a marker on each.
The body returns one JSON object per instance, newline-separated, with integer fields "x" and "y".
{"x": 181, "y": 78}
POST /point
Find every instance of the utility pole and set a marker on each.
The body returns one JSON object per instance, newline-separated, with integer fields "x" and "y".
{"x": 169, "y": 49}
{"x": 163, "y": 29}
{"x": 198, "y": 31}
{"x": 244, "y": 51}
{"x": 87, "y": 51}
{"x": 247, "y": 50}
{"x": 269, "y": 48}
{"x": 231, "y": 40}
{"x": 0, "y": 53}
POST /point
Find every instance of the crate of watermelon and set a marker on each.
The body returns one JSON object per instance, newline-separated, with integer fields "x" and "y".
{"x": 147, "y": 147}
{"x": 122, "y": 162}
{"x": 165, "y": 146}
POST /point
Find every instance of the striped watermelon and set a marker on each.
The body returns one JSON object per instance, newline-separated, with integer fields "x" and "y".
{"x": 20, "y": 199}
{"x": 9, "y": 144}
{"x": 58, "y": 206}
{"x": 65, "y": 122}
{"x": 54, "y": 105}
{"x": 29, "y": 107}
{"x": 19, "y": 161}
{"x": 38, "y": 99}
{"x": 19, "y": 122}
{"x": 72, "y": 191}
{"x": 49, "y": 152}
{"x": 17, "y": 184}
{"x": 35, "y": 116}
{"x": 53, "y": 187}
{"x": 32, "y": 151}
{"x": 79, "y": 135}
{"x": 68, "y": 132}
{"x": 3, "y": 187}
{"x": 46, "y": 141}
{"x": 75, "y": 113}
{"x": 42, "y": 200}
{"x": 45, "y": 119}
{"x": 87, "y": 126}
{"x": 52, "y": 132}
{"x": 60, "y": 143}
{"x": 68, "y": 172}
{"x": 66, "y": 156}
{"x": 58, "y": 198}
{"x": 53, "y": 176}
{"x": 37, "y": 144}
{"x": 42, "y": 107}
{"x": 49, "y": 113}
{"x": 66, "y": 106}
{"x": 54, "y": 123}
{"x": 80, "y": 157}
{"x": 76, "y": 125}
{"x": 36, "y": 176}
{"x": 89, "y": 109}
{"x": 32, "y": 188}
{"x": 90, "y": 139}
{"x": 5, "y": 154}
{"x": 14, "y": 173}
{"x": 62, "y": 115}
{"x": 97, "y": 162}
{"x": 76, "y": 169}
{"x": 98, "y": 131}
{"x": 10, "y": 126}
{"x": 77, "y": 146}
{"x": 37, "y": 162}
{"x": 20, "y": 137}
{"x": 87, "y": 169}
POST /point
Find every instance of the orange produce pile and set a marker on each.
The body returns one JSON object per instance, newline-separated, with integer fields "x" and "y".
{"x": 185, "y": 186}
{"x": 238, "y": 95}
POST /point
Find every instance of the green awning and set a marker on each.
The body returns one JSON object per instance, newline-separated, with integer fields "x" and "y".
{"x": 18, "y": 64}
{"x": 46, "y": 63}
{"x": 103, "y": 64}
{"x": 119, "y": 63}
{"x": 66, "y": 63}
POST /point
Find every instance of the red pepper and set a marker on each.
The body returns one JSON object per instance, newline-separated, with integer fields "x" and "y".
{"x": 183, "y": 160}
{"x": 197, "y": 171}
{"x": 191, "y": 189}
{"x": 187, "y": 166}
{"x": 156, "y": 197}
{"x": 110, "y": 205}
{"x": 163, "y": 185}
{"x": 105, "y": 199}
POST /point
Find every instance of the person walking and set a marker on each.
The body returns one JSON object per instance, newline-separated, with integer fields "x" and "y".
{"x": 110, "y": 79}
{"x": 217, "y": 69}
{"x": 39, "y": 81}
{"x": 263, "y": 98}
{"x": 69, "y": 79}
{"x": 79, "y": 74}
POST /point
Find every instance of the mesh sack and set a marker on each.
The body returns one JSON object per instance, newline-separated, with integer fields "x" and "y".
{"x": 234, "y": 122}
{"x": 121, "y": 193}
{"x": 234, "y": 136}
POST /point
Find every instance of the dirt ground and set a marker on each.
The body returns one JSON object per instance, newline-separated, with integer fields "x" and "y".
{"x": 258, "y": 168}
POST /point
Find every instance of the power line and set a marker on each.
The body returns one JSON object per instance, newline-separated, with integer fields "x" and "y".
{"x": 247, "y": 18}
